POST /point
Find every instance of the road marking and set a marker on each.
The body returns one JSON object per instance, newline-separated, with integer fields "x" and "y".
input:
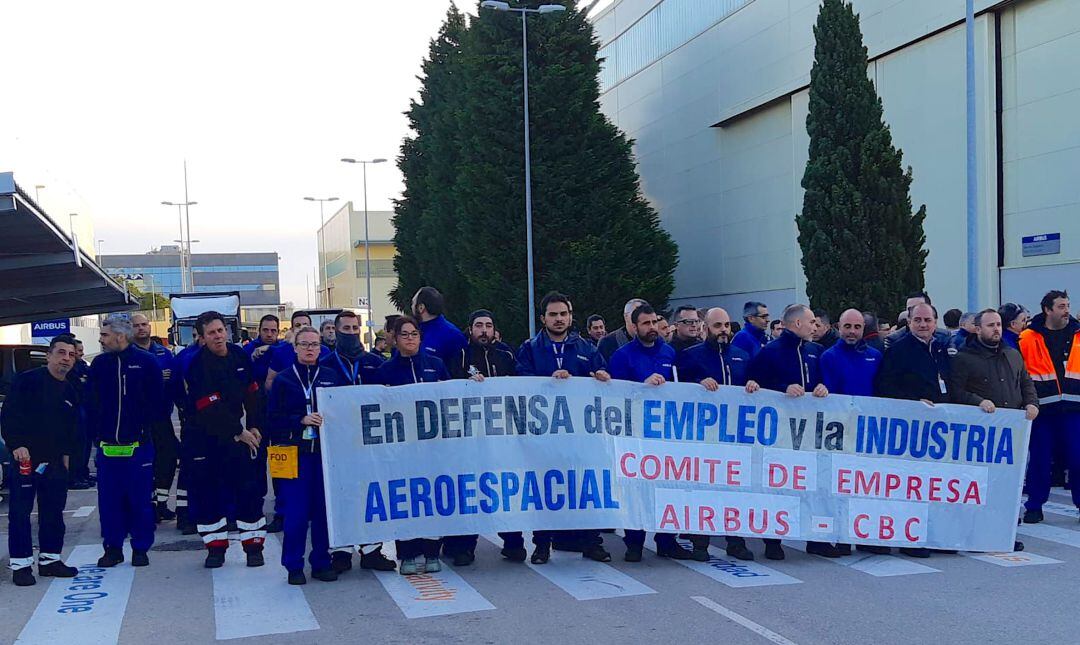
{"x": 1051, "y": 534}
{"x": 83, "y": 511}
{"x": 732, "y": 572}
{"x": 257, "y": 601}
{"x": 1012, "y": 559}
{"x": 582, "y": 578}
{"x": 88, "y": 608}
{"x": 760, "y": 630}
{"x": 880, "y": 566}
{"x": 430, "y": 594}
{"x": 1068, "y": 510}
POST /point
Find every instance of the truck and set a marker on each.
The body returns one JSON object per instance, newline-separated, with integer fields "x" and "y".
{"x": 186, "y": 307}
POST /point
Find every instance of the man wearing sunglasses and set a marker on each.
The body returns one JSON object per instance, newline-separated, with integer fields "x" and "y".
{"x": 687, "y": 328}
{"x": 753, "y": 336}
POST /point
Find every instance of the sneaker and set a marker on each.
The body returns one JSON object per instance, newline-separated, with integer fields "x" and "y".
{"x": 700, "y": 554}
{"x": 464, "y": 559}
{"x": 140, "y": 559}
{"x": 23, "y": 577}
{"x": 824, "y": 549}
{"x": 1033, "y": 517}
{"x": 56, "y": 569}
{"x": 596, "y": 552}
{"x": 773, "y": 551}
{"x": 675, "y": 552}
{"x": 215, "y": 559}
{"x": 633, "y": 554}
{"x": 408, "y": 567}
{"x": 111, "y": 558}
{"x": 276, "y": 525}
{"x": 256, "y": 559}
{"x": 873, "y": 548}
{"x": 340, "y": 561}
{"x": 917, "y": 552}
{"x": 326, "y": 575}
{"x": 541, "y": 554}
{"x": 432, "y": 565}
{"x": 164, "y": 514}
{"x": 297, "y": 577}
{"x": 375, "y": 560}
{"x": 514, "y": 555}
{"x": 739, "y": 552}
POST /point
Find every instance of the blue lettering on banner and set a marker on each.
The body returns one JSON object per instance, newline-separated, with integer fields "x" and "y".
{"x": 926, "y": 438}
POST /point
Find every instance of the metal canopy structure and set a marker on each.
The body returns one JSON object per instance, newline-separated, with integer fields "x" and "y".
{"x": 43, "y": 273}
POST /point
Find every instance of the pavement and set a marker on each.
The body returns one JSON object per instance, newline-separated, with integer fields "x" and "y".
{"x": 956, "y": 599}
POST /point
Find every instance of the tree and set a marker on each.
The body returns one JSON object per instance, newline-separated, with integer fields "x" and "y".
{"x": 861, "y": 244}
{"x": 595, "y": 236}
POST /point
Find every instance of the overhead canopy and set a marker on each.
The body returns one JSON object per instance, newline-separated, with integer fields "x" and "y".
{"x": 43, "y": 273}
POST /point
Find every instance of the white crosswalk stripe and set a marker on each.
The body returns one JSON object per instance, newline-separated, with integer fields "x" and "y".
{"x": 732, "y": 572}
{"x": 1012, "y": 559}
{"x": 430, "y": 594}
{"x": 880, "y": 566}
{"x": 1051, "y": 533}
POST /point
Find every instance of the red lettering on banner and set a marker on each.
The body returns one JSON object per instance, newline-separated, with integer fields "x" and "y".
{"x": 782, "y": 522}
{"x": 677, "y": 469}
{"x": 907, "y": 529}
{"x": 870, "y": 486}
{"x": 888, "y": 485}
{"x": 972, "y": 493}
{"x": 734, "y": 473}
{"x": 731, "y": 520}
{"x": 777, "y": 475}
{"x": 843, "y": 477}
{"x": 885, "y": 528}
{"x": 705, "y": 518}
{"x": 954, "y": 491}
{"x": 764, "y": 515}
{"x": 892, "y": 483}
{"x": 798, "y": 478}
{"x": 622, "y": 464}
{"x": 859, "y": 532}
{"x": 712, "y": 463}
{"x": 670, "y": 518}
{"x": 914, "y": 483}
{"x": 935, "y": 489}
{"x": 645, "y": 461}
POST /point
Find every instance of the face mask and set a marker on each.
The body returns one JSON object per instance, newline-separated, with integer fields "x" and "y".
{"x": 349, "y": 345}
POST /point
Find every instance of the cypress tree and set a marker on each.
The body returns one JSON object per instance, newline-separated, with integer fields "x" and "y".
{"x": 861, "y": 244}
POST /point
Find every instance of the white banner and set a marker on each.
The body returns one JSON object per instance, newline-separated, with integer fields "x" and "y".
{"x": 513, "y": 454}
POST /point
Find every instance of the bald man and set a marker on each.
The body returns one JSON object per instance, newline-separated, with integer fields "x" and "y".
{"x": 850, "y": 366}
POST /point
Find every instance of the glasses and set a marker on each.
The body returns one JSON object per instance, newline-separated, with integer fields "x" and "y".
{"x": 687, "y": 321}
{"x": 761, "y": 316}
{"x": 307, "y": 344}
{"x": 409, "y": 334}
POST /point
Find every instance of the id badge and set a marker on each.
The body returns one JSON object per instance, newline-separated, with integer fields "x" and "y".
{"x": 941, "y": 384}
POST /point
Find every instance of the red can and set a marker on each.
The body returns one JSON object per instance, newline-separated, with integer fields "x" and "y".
{"x": 24, "y": 468}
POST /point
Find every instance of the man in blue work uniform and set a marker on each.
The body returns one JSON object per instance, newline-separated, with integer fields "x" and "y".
{"x": 355, "y": 367}
{"x": 185, "y": 519}
{"x": 646, "y": 359}
{"x": 561, "y": 353}
{"x": 166, "y": 445}
{"x": 39, "y": 421}
{"x": 790, "y": 364}
{"x": 261, "y": 348}
{"x": 714, "y": 363}
{"x": 293, "y": 420}
{"x": 754, "y": 335}
{"x": 80, "y": 477}
{"x": 441, "y": 337}
{"x": 127, "y": 398}
{"x": 225, "y": 463}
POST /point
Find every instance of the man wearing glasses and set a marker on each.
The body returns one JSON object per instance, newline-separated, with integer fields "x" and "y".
{"x": 687, "y": 328}
{"x": 753, "y": 335}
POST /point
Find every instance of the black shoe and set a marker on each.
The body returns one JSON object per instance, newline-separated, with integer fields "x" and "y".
{"x": 515, "y": 555}
{"x": 464, "y": 559}
{"x": 633, "y": 554}
{"x": 23, "y": 577}
{"x": 541, "y": 554}
{"x": 215, "y": 558}
{"x": 774, "y": 551}
{"x": 1018, "y": 546}
{"x": 596, "y": 552}
{"x": 376, "y": 560}
{"x": 916, "y": 552}
{"x": 341, "y": 561}
{"x": 255, "y": 559}
{"x": 140, "y": 559}
{"x": 326, "y": 575}
{"x": 739, "y": 552}
{"x": 111, "y": 558}
{"x": 297, "y": 577}
{"x": 824, "y": 549}
{"x": 675, "y": 552}
{"x": 700, "y": 554}
{"x": 164, "y": 514}
{"x": 56, "y": 569}
{"x": 844, "y": 549}
{"x": 947, "y": 551}
{"x": 873, "y": 548}
{"x": 82, "y": 484}
{"x": 276, "y": 525}
{"x": 1033, "y": 517}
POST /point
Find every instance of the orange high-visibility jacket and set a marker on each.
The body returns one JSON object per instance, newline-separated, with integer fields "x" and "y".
{"x": 1041, "y": 367}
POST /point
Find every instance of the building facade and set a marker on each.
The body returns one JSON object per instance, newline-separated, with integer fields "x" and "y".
{"x": 714, "y": 93}
{"x": 342, "y": 246}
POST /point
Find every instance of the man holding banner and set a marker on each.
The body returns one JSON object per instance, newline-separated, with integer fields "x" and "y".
{"x": 559, "y": 352}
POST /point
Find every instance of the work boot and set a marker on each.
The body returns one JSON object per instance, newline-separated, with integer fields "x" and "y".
{"x": 739, "y": 552}
{"x": 163, "y": 513}
{"x": 700, "y": 553}
{"x": 773, "y": 551}
{"x": 514, "y": 555}
{"x": 596, "y": 552}
{"x": 340, "y": 561}
{"x": 1033, "y": 517}
{"x": 215, "y": 558}
{"x": 409, "y": 567}
{"x": 140, "y": 559}
{"x": 112, "y": 557}
{"x": 464, "y": 559}
{"x": 915, "y": 552}
{"x": 873, "y": 548}
{"x": 843, "y": 549}
{"x": 326, "y": 575}
{"x": 256, "y": 559}
{"x": 297, "y": 577}
{"x": 23, "y": 577}
{"x": 1018, "y": 546}
{"x": 276, "y": 525}
{"x": 675, "y": 552}
{"x": 633, "y": 554}
{"x": 56, "y": 569}
{"x": 541, "y": 554}
{"x": 375, "y": 560}
{"x": 824, "y": 549}
{"x": 432, "y": 565}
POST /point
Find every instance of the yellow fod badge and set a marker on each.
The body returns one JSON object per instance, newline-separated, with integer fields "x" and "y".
{"x": 282, "y": 461}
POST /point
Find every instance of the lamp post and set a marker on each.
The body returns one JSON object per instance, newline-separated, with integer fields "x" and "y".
{"x": 367, "y": 247}
{"x": 153, "y": 298}
{"x": 322, "y": 239}
{"x": 542, "y": 9}
{"x": 99, "y": 243}
{"x": 37, "y": 194}
{"x": 187, "y": 281}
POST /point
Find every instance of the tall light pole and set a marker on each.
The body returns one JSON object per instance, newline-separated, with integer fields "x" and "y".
{"x": 153, "y": 298}
{"x": 322, "y": 240}
{"x": 99, "y": 243}
{"x": 187, "y": 282}
{"x": 367, "y": 247}
{"x": 544, "y": 8}
{"x": 37, "y": 193}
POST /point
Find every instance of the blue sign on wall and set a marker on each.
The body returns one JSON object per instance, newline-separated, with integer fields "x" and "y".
{"x": 50, "y": 328}
{"x": 1045, "y": 244}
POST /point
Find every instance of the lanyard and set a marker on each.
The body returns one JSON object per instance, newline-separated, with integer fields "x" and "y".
{"x": 558, "y": 349}
{"x": 308, "y": 389}
{"x": 353, "y": 373}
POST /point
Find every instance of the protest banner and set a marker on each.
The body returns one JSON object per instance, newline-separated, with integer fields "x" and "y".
{"x": 512, "y": 454}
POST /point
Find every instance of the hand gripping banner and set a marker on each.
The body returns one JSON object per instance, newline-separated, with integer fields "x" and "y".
{"x": 512, "y": 454}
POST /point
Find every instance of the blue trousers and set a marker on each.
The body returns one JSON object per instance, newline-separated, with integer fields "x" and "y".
{"x": 636, "y": 538}
{"x": 50, "y": 489}
{"x": 307, "y": 508}
{"x": 126, "y": 498}
{"x": 1052, "y": 425}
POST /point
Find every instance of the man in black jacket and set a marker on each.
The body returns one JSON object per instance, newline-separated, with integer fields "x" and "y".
{"x": 623, "y": 335}
{"x": 917, "y": 298}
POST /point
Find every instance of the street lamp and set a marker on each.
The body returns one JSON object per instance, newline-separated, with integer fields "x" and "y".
{"x": 187, "y": 280}
{"x": 153, "y": 299}
{"x": 367, "y": 247}
{"x": 542, "y": 9}
{"x": 322, "y": 238}
{"x": 99, "y": 243}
